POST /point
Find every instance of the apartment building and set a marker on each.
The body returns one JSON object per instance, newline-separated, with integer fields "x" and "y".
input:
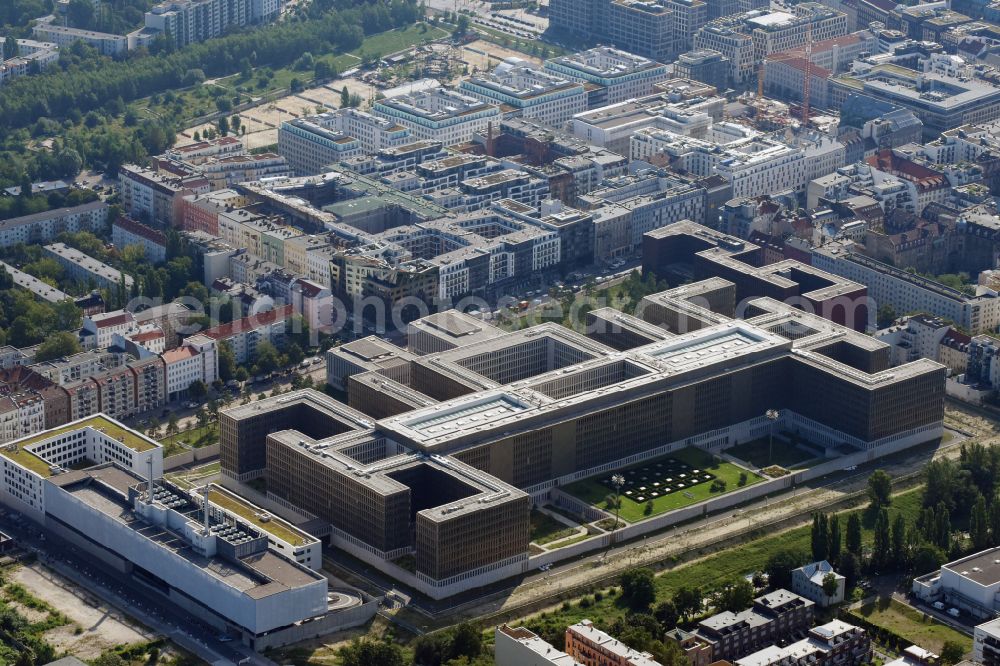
{"x": 155, "y": 196}
{"x": 312, "y": 142}
{"x": 243, "y": 335}
{"x": 773, "y": 617}
{"x": 98, "y": 330}
{"x": 105, "y": 43}
{"x": 86, "y": 269}
{"x": 32, "y": 56}
{"x": 835, "y": 643}
{"x": 45, "y": 226}
{"x": 191, "y": 21}
{"x": 907, "y": 292}
{"x": 183, "y": 366}
{"x": 809, "y": 581}
{"x": 39, "y": 288}
{"x": 517, "y": 646}
{"x": 200, "y": 152}
{"x": 200, "y": 212}
{"x": 224, "y": 172}
{"x": 592, "y": 647}
{"x": 986, "y": 643}
{"x": 125, "y": 232}
{"x": 439, "y": 115}
{"x": 704, "y": 65}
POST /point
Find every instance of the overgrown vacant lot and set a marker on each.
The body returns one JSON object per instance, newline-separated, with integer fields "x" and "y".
{"x": 911, "y": 624}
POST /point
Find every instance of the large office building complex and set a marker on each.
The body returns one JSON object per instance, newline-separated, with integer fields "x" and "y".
{"x": 447, "y": 441}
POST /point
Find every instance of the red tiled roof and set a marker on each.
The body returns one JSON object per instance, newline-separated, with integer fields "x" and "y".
{"x": 117, "y": 320}
{"x": 139, "y": 229}
{"x": 249, "y": 323}
{"x": 179, "y": 354}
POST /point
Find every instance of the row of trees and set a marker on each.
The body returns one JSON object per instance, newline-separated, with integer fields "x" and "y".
{"x": 90, "y": 86}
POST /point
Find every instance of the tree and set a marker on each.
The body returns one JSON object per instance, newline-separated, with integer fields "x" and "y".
{"x": 58, "y": 345}
{"x": 853, "y": 540}
{"x": 462, "y": 25}
{"x": 879, "y": 489}
{"x": 979, "y": 525}
{"x": 345, "y": 98}
{"x": 466, "y": 641}
{"x": 267, "y": 357}
{"x": 366, "y": 652}
{"x": 735, "y": 596}
{"x": 638, "y": 588}
{"x": 942, "y": 526}
{"x": 830, "y": 584}
{"x": 197, "y": 389}
{"x": 172, "y": 423}
{"x": 10, "y": 48}
{"x": 227, "y": 361}
{"x": 780, "y": 565}
{"x": 952, "y": 652}
{"x": 833, "y": 551}
{"x": 687, "y": 601}
{"x": 882, "y": 546}
{"x": 899, "y": 541}
{"x": 927, "y": 558}
{"x": 294, "y": 353}
{"x": 994, "y": 520}
{"x": 849, "y": 569}
{"x": 886, "y": 315}
{"x": 820, "y": 537}
{"x": 666, "y": 614}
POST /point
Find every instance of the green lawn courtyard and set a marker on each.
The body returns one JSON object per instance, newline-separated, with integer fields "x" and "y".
{"x": 680, "y": 479}
{"x": 784, "y": 454}
{"x": 546, "y": 529}
{"x": 911, "y": 624}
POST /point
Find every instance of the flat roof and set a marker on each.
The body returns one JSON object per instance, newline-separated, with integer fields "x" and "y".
{"x": 982, "y": 568}
{"x": 251, "y": 513}
{"x": 455, "y": 418}
{"x": 16, "y": 452}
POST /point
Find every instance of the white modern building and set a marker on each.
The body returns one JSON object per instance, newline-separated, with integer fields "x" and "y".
{"x": 528, "y": 92}
{"x": 619, "y": 75}
{"x": 750, "y": 162}
{"x": 439, "y": 114}
{"x": 28, "y": 463}
{"x": 312, "y": 142}
{"x": 970, "y": 584}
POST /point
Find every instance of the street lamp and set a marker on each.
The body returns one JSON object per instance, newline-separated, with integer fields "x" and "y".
{"x": 772, "y": 416}
{"x": 617, "y": 481}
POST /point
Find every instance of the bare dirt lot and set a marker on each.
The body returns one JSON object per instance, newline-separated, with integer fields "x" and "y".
{"x": 100, "y": 627}
{"x": 474, "y": 54}
{"x": 262, "y": 122}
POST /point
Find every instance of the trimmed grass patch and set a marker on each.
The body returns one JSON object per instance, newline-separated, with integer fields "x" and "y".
{"x": 756, "y": 453}
{"x": 546, "y": 529}
{"x": 911, "y": 624}
{"x": 634, "y": 510}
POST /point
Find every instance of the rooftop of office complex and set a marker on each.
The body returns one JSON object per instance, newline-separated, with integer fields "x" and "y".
{"x": 604, "y": 65}
{"x": 435, "y": 106}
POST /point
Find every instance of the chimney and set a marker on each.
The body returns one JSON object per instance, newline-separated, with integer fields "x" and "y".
{"x": 204, "y": 508}
{"x": 149, "y": 464}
